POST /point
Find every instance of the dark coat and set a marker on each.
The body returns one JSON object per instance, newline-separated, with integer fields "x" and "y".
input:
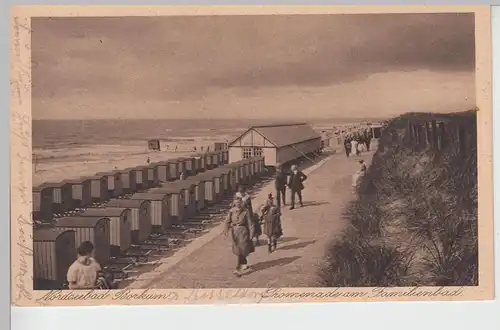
{"x": 296, "y": 181}
{"x": 280, "y": 180}
{"x": 241, "y": 225}
{"x": 272, "y": 221}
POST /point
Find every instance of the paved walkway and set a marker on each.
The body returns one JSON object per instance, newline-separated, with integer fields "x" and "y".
{"x": 307, "y": 232}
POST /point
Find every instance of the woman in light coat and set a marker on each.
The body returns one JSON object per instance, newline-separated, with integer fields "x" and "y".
{"x": 239, "y": 224}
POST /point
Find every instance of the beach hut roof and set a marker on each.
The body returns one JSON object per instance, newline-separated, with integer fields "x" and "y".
{"x": 105, "y": 173}
{"x": 41, "y": 187}
{"x": 140, "y": 168}
{"x": 95, "y": 177}
{"x": 126, "y": 203}
{"x": 281, "y": 135}
{"x": 79, "y": 222}
{"x": 104, "y": 212}
{"x": 77, "y": 181}
{"x": 117, "y": 171}
{"x": 53, "y": 184}
{"x": 47, "y": 234}
{"x": 151, "y": 196}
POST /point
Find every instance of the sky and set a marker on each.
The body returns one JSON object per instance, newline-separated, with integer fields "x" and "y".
{"x": 324, "y": 66}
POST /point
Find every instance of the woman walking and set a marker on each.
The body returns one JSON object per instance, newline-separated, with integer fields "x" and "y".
{"x": 239, "y": 224}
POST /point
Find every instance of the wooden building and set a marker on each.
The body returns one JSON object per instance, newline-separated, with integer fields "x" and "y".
{"x": 81, "y": 193}
{"x": 159, "y": 211}
{"x": 120, "y": 226}
{"x": 129, "y": 183}
{"x": 278, "y": 144}
{"x": 93, "y": 229}
{"x": 43, "y": 197}
{"x": 53, "y": 252}
{"x": 98, "y": 188}
{"x": 115, "y": 187}
{"x": 140, "y": 217}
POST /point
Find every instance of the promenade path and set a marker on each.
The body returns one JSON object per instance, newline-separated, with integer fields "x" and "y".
{"x": 307, "y": 232}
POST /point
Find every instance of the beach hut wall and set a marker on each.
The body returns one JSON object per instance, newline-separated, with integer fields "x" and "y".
{"x": 197, "y": 164}
{"x": 53, "y": 253}
{"x": 199, "y": 193}
{"x": 226, "y": 156}
{"x": 61, "y": 196}
{"x": 159, "y": 209}
{"x": 163, "y": 173}
{"x": 176, "y": 196}
{"x": 210, "y": 197}
{"x": 98, "y": 188}
{"x": 115, "y": 187}
{"x": 203, "y": 162}
{"x": 95, "y": 230}
{"x": 190, "y": 198}
{"x": 81, "y": 194}
{"x": 129, "y": 183}
{"x": 181, "y": 166}
{"x": 141, "y": 177}
{"x": 215, "y": 159}
{"x": 209, "y": 161}
{"x": 173, "y": 169}
{"x": 120, "y": 226}
{"x": 189, "y": 165}
{"x": 139, "y": 215}
{"x": 43, "y": 197}
{"x": 152, "y": 176}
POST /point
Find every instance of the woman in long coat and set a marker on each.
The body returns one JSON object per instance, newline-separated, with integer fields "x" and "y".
{"x": 272, "y": 224}
{"x": 239, "y": 224}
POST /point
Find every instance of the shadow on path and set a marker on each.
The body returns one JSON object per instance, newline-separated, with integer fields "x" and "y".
{"x": 272, "y": 263}
{"x": 296, "y": 245}
{"x": 306, "y": 204}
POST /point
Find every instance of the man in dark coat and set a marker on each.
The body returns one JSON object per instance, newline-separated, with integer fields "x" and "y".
{"x": 347, "y": 146}
{"x": 280, "y": 185}
{"x": 296, "y": 185}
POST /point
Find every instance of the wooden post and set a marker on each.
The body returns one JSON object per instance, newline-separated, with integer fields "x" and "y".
{"x": 434, "y": 135}
{"x": 442, "y": 135}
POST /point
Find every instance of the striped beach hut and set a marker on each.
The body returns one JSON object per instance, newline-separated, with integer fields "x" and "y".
{"x": 80, "y": 192}
{"x": 53, "y": 253}
{"x": 141, "y": 177}
{"x": 197, "y": 164}
{"x": 120, "y": 221}
{"x": 115, "y": 187}
{"x": 173, "y": 168}
{"x": 61, "y": 196}
{"x": 163, "y": 171}
{"x": 190, "y": 207}
{"x": 129, "y": 183}
{"x": 176, "y": 195}
{"x": 209, "y": 189}
{"x": 140, "y": 212}
{"x": 189, "y": 165}
{"x": 152, "y": 177}
{"x": 215, "y": 159}
{"x": 42, "y": 203}
{"x": 159, "y": 209}
{"x": 209, "y": 161}
{"x": 181, "y": 165}
{"x": 226, "y": 180}
{"x": 199, "y": 192}
{"x": 98, "y": 188}
{"x": 93, "y": 229}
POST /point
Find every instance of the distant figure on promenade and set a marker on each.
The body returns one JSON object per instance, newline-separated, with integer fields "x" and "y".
{"x": 194, "y": 148}
{"x": 280, "y": 185}
{"x": 272, "y": 223}
{"x": 182, "y": 175}
{"x": 201, "y": 148}
{"x": 239, "y": 224}
{"x": 148, "y": 160}
{"x": 354, "y": 147}
{"x": 296, "y": 184}
{"x": 356, "y": 178}
{"x": 176, "y": 147}
{"x": 83, "y": 273}
{"x": 347, "y": 146}
{"x": 368, "y": 139}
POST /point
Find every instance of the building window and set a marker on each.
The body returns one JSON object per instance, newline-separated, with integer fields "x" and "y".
{"x": 247, "y": 153}
{"x": 257, "y": 152}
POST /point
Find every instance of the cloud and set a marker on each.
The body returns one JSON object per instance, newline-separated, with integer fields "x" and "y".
{"x": 163, "y": 59}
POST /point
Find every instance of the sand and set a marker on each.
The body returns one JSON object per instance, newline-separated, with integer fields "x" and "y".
{"x": 86, "y": 160}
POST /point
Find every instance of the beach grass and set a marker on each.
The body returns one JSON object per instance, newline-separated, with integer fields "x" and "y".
{"x": 414, "y": 220}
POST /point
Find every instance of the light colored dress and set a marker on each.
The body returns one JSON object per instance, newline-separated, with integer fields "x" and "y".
{"x": 354, "y": 147}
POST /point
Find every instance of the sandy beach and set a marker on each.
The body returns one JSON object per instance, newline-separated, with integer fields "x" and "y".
{"x": 53, "y": 165}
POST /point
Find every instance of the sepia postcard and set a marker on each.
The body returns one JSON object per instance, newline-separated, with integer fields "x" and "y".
{"x": 239, "y": 154}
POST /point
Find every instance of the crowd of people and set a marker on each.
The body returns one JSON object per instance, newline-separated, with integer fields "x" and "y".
{"x": 356, "y": 143}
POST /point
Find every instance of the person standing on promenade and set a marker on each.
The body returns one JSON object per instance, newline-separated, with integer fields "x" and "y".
{"x": 296, "y": 184}
{"x": 239, "y": 224}
{"x": 246, "y": 199}
{"x": 280, "y": 185}
{"x": 347, "y": 146}
{"x": 272, "y": 224}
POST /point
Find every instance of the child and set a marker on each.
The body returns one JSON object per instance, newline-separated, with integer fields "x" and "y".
{"x": 82, "y": 274}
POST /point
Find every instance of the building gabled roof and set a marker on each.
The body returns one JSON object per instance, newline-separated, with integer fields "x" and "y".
{"x": 281, "y": 135}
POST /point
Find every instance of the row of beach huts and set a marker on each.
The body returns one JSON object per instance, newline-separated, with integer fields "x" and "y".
{"x": 128, "y": 213}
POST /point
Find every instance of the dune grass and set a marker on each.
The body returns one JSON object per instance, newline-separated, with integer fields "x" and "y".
{"x": 414, "y": 221}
